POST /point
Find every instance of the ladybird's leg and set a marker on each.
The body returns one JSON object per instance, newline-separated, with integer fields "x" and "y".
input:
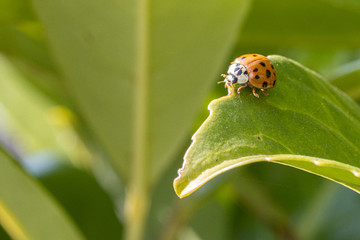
{"x": 239, "y": 89}
{"x": 254, "y": 93}
{"x": 230, "y": 87}
{"x": 265, "y": 92}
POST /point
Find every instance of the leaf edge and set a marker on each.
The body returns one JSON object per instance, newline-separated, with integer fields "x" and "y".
{"x": 284, "y": 159}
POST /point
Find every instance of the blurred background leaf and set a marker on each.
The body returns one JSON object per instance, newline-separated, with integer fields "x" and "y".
{"x": 3, "y": 234}
{"x": 346, "y": 77}
{"x": 25, "y": 208}
{"x": 86, "y": 202}
{"x": 302, "y": 23}
{"x": 23, "y": 41}
{"x": 108, "y": 62}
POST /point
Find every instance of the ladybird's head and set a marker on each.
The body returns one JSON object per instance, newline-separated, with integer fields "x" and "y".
{"x": 230, "y": 79}
{"x": 239, "y": 72}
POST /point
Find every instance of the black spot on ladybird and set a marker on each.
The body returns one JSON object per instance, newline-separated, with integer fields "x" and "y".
{"x": 240, "y": 72}
{"x": 257, "y": 77}
{"x": 274, "y": 82}
{"x": 236, "y": 69}
{"x": 268, "y": 73}
{"x": 262, "y": 64}
{"x": 265, "y": 83}
{"x": 254, "y": 55}
{"x": 243, "y": 57}
{"x": 274, "y": 74}
{"x": 272, "y": 66}
{"x": 255, "y": 70}
{"x": 246, "y": 72}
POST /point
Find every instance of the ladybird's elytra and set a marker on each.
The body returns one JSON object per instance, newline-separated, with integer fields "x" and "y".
{"x": 253, "y": 70}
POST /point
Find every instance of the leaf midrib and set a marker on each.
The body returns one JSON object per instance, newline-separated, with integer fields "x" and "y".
{"x": 139, "y": 145}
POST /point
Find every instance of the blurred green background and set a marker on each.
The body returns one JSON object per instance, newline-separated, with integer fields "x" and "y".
{"x": 99, "y": 99}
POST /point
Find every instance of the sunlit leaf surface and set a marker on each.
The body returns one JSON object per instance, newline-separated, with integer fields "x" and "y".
{"x": 304, "y": 123}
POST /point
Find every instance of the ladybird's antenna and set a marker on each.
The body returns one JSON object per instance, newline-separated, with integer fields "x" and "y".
{"x": 223, "y": 81}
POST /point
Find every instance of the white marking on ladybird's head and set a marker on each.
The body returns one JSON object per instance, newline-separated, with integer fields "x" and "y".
{"x": 231, "y": 69}
{"x": 240, "y": 72}
{"x": 243, "y": 78}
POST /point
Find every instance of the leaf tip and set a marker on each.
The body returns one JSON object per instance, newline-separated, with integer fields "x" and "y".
{"x": 183, "y": 185}
{"x": 178, "y": 187}
{"x": 182, "y": 188}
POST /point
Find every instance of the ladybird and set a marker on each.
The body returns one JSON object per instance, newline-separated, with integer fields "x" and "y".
{"x": 253, "y": 70}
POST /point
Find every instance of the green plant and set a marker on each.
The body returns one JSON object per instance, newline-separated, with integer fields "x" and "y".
{"x": 305, "y": 123}
{"x": 99, "y": 100}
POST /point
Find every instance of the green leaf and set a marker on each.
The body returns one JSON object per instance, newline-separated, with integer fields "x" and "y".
{"x": 15, "y": 12}
{"x": 27, "y": 211}
{"x": 85, "y": 201}
{"x": 305, "y": 123}
{"x": 23, "y": 110}
{"x": 28, "y": 51}
{"x": 3, "y": 234}
{"x": 134, "y": 69}
{"x": 343, "y": 206}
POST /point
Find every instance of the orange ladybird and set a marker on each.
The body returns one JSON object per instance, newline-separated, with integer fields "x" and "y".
{"x": 253, "y": 70}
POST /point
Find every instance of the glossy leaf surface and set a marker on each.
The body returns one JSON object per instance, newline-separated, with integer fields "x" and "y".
{"x": 304, "y": 123}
